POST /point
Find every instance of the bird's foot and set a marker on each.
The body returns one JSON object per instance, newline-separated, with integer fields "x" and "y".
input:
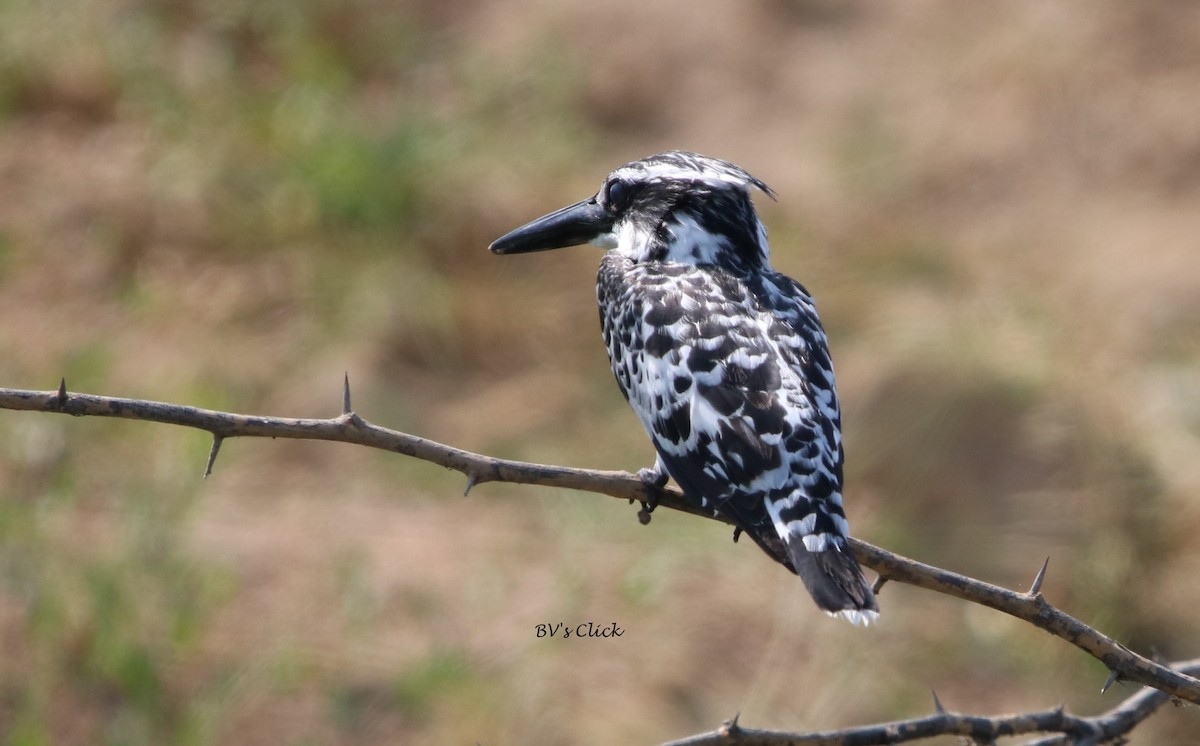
{"x": 655, "y": 478}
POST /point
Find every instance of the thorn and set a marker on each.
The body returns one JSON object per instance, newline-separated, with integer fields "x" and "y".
{"x": 737, "y": 531}
{"x": 937, "y": 703}
{"x": 878, "y": 584}
{"x": 346, "y": 395}
{"x": 1113, "y": 676}
{"x": 1036, "y": 588}
{"x": 212, "y": 454}
{"x": 62, "y": 391}
{"x": 472, "y": 480}
{"x": 730, "y": 726}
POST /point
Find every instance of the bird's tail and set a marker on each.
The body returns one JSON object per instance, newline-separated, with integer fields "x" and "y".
{"x": 814, "y": 532}
{"x": 835, "y": 581}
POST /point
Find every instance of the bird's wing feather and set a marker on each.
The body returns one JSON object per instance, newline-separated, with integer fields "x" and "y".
{"x": 718, "y": 396}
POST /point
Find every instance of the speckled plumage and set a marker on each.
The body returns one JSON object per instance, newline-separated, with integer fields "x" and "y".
{"x": 724, "y": 361}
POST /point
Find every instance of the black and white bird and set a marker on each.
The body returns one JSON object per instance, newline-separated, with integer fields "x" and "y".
{"x": 722, "y": 358}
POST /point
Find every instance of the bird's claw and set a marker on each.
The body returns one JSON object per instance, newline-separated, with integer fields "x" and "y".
{"x": 655, "y": 479}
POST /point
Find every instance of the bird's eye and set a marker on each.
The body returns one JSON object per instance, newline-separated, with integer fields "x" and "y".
{"x": 617, "y": 196}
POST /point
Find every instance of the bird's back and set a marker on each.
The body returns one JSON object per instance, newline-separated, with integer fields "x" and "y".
{"x": 730, "y": 375}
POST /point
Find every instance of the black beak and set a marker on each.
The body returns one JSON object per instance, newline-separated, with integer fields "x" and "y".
{"x": 577, "y": 224}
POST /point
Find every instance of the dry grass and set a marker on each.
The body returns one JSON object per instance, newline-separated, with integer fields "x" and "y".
{"x": 228, "y": 205}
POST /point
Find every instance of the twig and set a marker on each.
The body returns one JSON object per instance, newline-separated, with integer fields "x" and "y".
{"x": 1105, "y": 728}
{"x": 349, "y": 427}
{"x": 1123, "y": 718}
{"x": 1035, "y": 609}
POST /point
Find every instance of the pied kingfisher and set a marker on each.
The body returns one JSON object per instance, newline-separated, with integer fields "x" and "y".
{"x": 722, "y": 358}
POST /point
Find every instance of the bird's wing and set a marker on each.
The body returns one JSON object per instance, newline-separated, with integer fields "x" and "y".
{"x": 731, "y": 377}
{"x": 742, "y": 409}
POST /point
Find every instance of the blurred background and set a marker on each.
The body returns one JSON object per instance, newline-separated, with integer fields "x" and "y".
{"x": 230, "y": 204}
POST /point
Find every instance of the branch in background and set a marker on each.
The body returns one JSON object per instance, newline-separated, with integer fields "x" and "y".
{"x": 348, "y": 427}
{"x": 1109, "y": 727}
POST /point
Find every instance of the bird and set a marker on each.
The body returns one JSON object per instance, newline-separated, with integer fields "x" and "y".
{"x": 723, "y": 359}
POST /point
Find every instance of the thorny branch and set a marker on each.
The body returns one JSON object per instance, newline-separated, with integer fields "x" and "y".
{"x": 1108, "y": 727}
{"x": 349, "y": 427}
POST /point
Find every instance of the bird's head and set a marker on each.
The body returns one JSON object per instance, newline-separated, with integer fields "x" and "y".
{"x": 672, "y": 207}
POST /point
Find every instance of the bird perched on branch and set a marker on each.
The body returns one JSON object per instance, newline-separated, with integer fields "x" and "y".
{"x": 722, "y": 358}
